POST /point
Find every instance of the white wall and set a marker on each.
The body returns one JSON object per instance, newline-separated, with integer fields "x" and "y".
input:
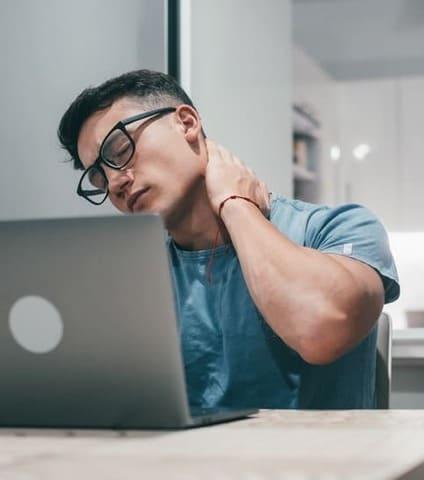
{"x": 411, "y": 108}
{"x": 369, "y": 115}
{"x": 238, "y": 71}
{"x": 50, "y": 50}
{"x": 314, "y": 87}
{"x": 386, "y": 114}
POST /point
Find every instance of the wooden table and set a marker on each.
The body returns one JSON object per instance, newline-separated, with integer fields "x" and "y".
{"x": 271, "y": 445}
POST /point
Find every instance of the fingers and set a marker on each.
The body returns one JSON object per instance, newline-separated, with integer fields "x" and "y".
{"x": 227, "y": 175}
{"x": 225, "y": 154}
{"x": 222, "y": 153}
{"x": 262, "y": 197}
{"x": 210, "y": 148}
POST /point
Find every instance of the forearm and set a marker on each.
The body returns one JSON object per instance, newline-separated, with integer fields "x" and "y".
{"x": 307, "y": 297}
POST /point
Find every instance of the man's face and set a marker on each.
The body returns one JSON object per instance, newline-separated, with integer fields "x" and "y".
{"x": 167, "y": 162}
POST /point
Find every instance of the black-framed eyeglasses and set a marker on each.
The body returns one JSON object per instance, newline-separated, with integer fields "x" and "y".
{"x": 116, "y": 151}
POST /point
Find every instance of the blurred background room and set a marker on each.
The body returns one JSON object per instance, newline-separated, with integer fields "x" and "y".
{"x": 322, "y": 98}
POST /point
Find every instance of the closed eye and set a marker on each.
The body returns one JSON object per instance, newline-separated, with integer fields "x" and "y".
{"x": 123, "y": 149}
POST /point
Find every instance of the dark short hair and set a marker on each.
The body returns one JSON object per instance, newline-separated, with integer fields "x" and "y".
{"x": 153, "y": 89}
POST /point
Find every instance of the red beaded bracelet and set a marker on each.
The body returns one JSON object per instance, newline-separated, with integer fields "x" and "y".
{"x": 231, "y": 198}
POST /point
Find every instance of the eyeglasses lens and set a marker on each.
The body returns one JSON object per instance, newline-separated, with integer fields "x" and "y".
{"x": 117, "y": 149}
{"x": 94, "y": 185}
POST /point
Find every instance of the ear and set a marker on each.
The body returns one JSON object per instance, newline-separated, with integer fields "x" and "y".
{"x": 188, "y": 121}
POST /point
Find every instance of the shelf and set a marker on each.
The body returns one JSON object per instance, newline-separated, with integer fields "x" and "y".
{"x": 303, "y": 174}
{"x": 408, "y": 347}
{"x": 306, "y": 153}
{"x": 304, "y": 124}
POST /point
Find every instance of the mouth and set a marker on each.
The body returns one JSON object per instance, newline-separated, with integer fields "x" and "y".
{"x": 134, "y": 197}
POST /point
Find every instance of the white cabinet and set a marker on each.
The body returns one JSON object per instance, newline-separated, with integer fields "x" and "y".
{"x": 411, "y": 177}
{"x": 369, "y": 116}
{"x": 387, "y": 116}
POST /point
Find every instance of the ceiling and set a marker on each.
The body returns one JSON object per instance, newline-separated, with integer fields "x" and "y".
{"x": 358, "y": 39}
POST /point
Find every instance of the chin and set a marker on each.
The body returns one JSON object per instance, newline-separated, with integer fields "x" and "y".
{"x": 164, "y": 207}
{"x": 149, "y": 207}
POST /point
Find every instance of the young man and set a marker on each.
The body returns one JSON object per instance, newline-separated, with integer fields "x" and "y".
{"x": 281, "y": 313}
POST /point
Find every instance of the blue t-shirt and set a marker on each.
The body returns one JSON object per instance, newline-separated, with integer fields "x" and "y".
{"x": 233, "y": 358}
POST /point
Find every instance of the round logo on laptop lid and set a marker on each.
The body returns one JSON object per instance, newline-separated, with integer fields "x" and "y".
{"x": 36, "y": 324}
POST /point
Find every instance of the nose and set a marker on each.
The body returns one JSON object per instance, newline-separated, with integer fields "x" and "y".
{"x": 120, "y": 181}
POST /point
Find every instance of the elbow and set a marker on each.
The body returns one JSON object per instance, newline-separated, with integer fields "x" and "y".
{"x": 325, "y": 342}
{"x": 320, "y": 354}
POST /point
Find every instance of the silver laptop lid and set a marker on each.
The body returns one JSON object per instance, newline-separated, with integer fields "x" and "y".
{"x": 88, "y": 329}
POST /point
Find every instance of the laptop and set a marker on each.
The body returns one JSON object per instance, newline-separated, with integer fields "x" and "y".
{"x": 88, "y": 327}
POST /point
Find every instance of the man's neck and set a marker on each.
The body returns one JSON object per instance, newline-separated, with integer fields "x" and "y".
{"x": 197, "y": 227}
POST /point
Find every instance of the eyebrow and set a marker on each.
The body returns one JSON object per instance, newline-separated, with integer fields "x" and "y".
{"x": 84, "y": 168}
{"x": 97, "y": 147}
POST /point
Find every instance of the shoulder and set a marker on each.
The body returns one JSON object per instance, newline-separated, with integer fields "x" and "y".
{"x": 317, "y": 220}
{"x": 291, "y": 216}
{"x": 351, "y": 230}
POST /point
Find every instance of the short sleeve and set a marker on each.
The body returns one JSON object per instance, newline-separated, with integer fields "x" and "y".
{"x": 353, "y": 231}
